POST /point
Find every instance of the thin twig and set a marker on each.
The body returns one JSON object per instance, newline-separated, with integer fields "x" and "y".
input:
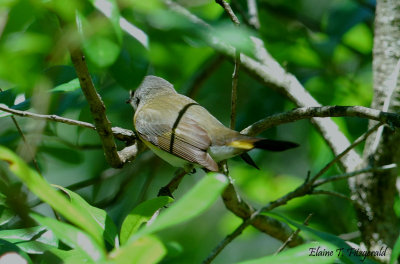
{"x": 342, "y": 196}
{"x": 229, "y": 11}
{"x": 345, "y": 176}
{"x": 119, "y": 133}
{"x": 28, "y": 148}
{"x": 226, "y": 241}
{"x": 32, "y": 156}
{"x": 168, "y": 189}
{"x": 338, "y": 157}
{"x": 392, "y": 119}
{"x": 235, "y": 77}
{"x": 97, "y": 108}
{"x": 294, "y": 235}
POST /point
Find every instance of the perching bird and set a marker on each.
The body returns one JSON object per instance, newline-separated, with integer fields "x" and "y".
{"x": 184, "y": 133}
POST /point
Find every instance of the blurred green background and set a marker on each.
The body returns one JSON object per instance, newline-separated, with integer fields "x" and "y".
{"x": 325, "y": 43}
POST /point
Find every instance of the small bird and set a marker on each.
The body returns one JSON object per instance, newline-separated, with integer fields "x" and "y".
{"x": 185, "y": 134}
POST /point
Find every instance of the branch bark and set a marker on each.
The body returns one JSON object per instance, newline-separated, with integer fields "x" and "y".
{"x": 97, "y": 108}
{"x": 376, "y": 191}
{"x": 119, "y": 133}
{"x": 390, "y": 119}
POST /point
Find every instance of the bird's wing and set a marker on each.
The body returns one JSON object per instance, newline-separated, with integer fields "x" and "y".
{"x": 176, "y": 133}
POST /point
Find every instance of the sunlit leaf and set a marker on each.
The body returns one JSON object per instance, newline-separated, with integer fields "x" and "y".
{"x": 34, "y": 240}
{"x": 34, "y": 247}
{"x": 98, "y": 215}
{"x": 395, "y": 251}
{"x": 10, "y": 253}
{"x": 359, "y": 37}
{"x": 101, "y": 51}
{"x": 73, "y": 237}
{"x": 67, "y": 87}
{"x": 196, "y": 201}
{"x": 146, "y": 250}
{"x": 45, "y": 192}
{"x": 6, "y": 214}
{"x": 141, "y": 214}
{"x": 59, "y": 256}
{"x": 144, "y": 6}
{"x": 110, "y": 9}
{"x": 38, "y": 233}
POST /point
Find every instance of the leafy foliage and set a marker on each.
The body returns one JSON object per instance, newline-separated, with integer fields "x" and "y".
{"x": 109, "y": 215}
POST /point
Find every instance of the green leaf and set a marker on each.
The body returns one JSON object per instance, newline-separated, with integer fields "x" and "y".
{"x": 145, "y": 250}
{"x": 45, "y": 192}
{"x": 34, "y": 240}
{"x": 58, "y": 256}
{"x": 305, "y": 254}
{"x": 6, "y": 215}
{"x": 141, "y": 214}
{"x": 73, "y": 237}
{"x": 192, "y": 204}
{"x": 98, "y": 215}
{"x": 147, "y": 6}
{"x": 38, "y": 233}
{"x": 110, "y": 9}
{"x": 11, "y": 253}
{"x": 101, "y": 51}
{"x": 7, "y": 97}
{"x": 34, "y": 247}
{"x": 133, "y": 58}
{"x": 395, "y": 251}
{"x": 67, "y": 87}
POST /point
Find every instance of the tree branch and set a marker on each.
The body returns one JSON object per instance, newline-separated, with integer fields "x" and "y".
{"x": 253, "y": 13}
{"x": 121, "y": 134}
{"x": 97, "y": 108}
{"x": 354, "y": 173}
{"x": 229, "y": 11}
{"x": 391, "y": 119}
{"x": 235, "y": 75}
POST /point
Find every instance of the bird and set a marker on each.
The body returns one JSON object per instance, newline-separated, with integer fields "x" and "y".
{"x": 183, "y": 133}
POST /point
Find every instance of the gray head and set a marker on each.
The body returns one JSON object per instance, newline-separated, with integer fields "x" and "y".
{"x": 150, "y": 87}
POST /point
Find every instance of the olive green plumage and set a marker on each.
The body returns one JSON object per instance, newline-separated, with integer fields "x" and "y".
{"x": 184, "y": 133}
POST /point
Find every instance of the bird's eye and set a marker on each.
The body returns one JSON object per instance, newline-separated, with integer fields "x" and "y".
{"x": 137, "y": 101}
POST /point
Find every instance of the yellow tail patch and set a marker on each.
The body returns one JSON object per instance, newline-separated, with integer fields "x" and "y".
{"x": 241, "y": 144}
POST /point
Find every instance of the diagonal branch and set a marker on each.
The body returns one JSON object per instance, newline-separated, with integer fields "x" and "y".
{"x": 229, "y": 11}
{"x": 391, "y": 119}
{"x": 97, "y": 108}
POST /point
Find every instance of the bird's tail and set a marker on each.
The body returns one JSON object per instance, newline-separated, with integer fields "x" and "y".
{"x": 248, "y": 143}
